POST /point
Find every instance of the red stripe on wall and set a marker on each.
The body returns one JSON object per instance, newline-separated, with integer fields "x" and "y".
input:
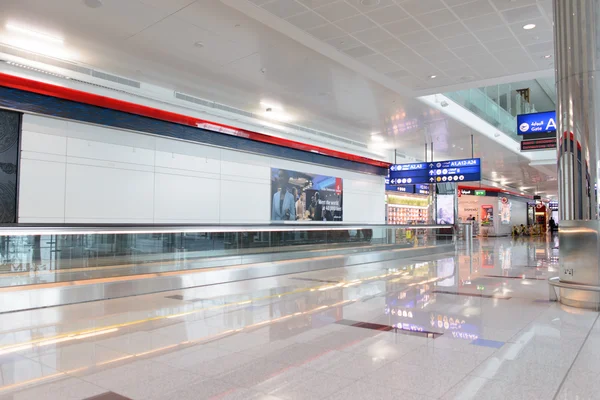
{"x": 48, "y": 89}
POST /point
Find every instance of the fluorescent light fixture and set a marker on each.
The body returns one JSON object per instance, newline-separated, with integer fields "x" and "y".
{"x": 528, "y": 27}
{"x": 377, "y": 139}
{"x": 432, "y": 76}
{"x": 30, "y": 32}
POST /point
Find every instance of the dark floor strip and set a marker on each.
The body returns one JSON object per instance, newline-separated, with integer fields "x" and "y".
{"x": 515, "y": 277}
{"x": 486, "y": 296}
{"x": 388, "y": 328}
{"x": 108, "y": 396}
{"x": 315, "y": 280}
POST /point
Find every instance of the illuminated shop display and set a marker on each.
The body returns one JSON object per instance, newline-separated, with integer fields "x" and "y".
{"x": 405, "y": 210}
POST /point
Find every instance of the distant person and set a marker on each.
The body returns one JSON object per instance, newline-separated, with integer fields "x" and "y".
{"x": 471, "y": 218}
{"x": 552, "y": 224}
{"x": 284, "y": 205}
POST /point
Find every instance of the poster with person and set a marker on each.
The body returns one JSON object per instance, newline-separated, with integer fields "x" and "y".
{"x": 445, "y": 209}
{"x": 300, "y": 196}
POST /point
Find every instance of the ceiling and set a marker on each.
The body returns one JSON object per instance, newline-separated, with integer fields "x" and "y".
{"x": 458, "y": 41}
{"x": 220, "y": 51}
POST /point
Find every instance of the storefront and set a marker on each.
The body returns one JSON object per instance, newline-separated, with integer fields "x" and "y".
{"x": 407, "y": 205}
{"x": 493, "y": 212}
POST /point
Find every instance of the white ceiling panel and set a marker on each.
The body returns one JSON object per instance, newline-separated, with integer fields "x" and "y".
{"x": 355, "y": 24}
{"x": 387, "y": 46}
{"x": 337, "y": 11}
{"x": 449, "y": 30}
{"x": 325, "y": 32}
{"x": 344, "y": 42}
{"x": 474, "y": 9}
{"x": 315, "y": 3}
{"x": 455, "y": 42}
{"x": 284, "y": 8}
{"x": 454, "y": 28}
{"x": 495, "y": 33}
{"x": 366, "y": 8}
{"x": 522, "y": 14}
{"x": 502, "y": 5}
{"x": 373, "y": 35}
{"x": 403, "y": 27}
{"x": 436, "y": 18}
{"x": 418, "y": 7}
{"x": 307, "y": 20}
{"x": 386, "y": 15}
{"x": 359, "y": 51}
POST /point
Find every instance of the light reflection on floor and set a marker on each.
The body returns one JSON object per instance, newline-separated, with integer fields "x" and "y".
{"x": 348, "y": 333}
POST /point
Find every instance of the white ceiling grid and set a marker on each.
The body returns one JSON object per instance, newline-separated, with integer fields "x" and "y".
{"x": 458, "y": 41}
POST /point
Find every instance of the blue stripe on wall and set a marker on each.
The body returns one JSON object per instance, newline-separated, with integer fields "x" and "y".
{"x": 55, "y": 107}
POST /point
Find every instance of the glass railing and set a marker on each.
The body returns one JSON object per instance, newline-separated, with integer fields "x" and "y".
{"x": 476, "y": 101}
{"x": 38, "y": 255}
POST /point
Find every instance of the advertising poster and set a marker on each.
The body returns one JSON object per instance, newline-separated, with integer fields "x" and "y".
{"x": 487, "y": 215}
{"x": 445, "y": 209}
{"x": 299, "y": 196}
{"x": 505, "y": 206}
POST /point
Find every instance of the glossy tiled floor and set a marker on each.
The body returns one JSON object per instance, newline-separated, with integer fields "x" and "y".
{"x": 465, "y": 326}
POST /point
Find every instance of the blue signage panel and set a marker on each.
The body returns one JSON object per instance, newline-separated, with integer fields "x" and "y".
{"x": 436, "y": 172}
{"x": 422, "y": 189}
{"x": 401, "y": 188}
{"x": 544, "y": 122}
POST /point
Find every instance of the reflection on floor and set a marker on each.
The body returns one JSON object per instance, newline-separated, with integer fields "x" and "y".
{"x": 471, "y": 326}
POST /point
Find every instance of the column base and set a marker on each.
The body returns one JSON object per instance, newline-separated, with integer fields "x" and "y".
{"x": 575, "y": 295}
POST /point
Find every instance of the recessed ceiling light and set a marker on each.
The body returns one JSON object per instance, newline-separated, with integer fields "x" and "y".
{"x": 432, "y": 76}
{"x": 199, "y": 44}
{"x": 547, "y": 56}
{"x": 93, "y": 3}
{"x": 528, "y": 26}
{"x": 370, "y": 3}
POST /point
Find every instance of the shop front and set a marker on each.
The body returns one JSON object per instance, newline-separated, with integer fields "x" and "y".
{"x": 493, "y": 212}
{"x": 407, "y": 205}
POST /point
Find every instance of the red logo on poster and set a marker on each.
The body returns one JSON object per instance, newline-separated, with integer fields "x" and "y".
{"x": 338, "y": 186}
{"x": 504, "y": 200}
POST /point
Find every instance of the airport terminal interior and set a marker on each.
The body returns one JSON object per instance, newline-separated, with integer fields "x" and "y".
{"x": 299, "y": 199}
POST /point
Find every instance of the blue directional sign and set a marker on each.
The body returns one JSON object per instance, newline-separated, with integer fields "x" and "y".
{"x": 544, "y": 122}
{"x": 436, "y": 172}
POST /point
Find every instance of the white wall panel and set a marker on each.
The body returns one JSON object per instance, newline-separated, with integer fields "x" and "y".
{"x": 120, "y": 176}
{"x": 39, "y": 124}
{"x": 43, "y": 143}
{"x": 243, "y": 171}
{"x": 42, "y": 190}
{"x": 245, "y": 202}
{"x": 108, "y": 194}
{"x": 78, "y": 130}
{"x": 184, "y": 198}
{"x": 96, "y": 150}
{"x": 185, "y": 162}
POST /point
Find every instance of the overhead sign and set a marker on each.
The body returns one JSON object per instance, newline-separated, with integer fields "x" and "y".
{"x": 480, "y": 193}
{"x": 416, "y": 189}
{"x": 436, "y": 172}
{"x": 538, "y": 144}
{"x": 544, "y": 122}
{"x": 400, "y": 188}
